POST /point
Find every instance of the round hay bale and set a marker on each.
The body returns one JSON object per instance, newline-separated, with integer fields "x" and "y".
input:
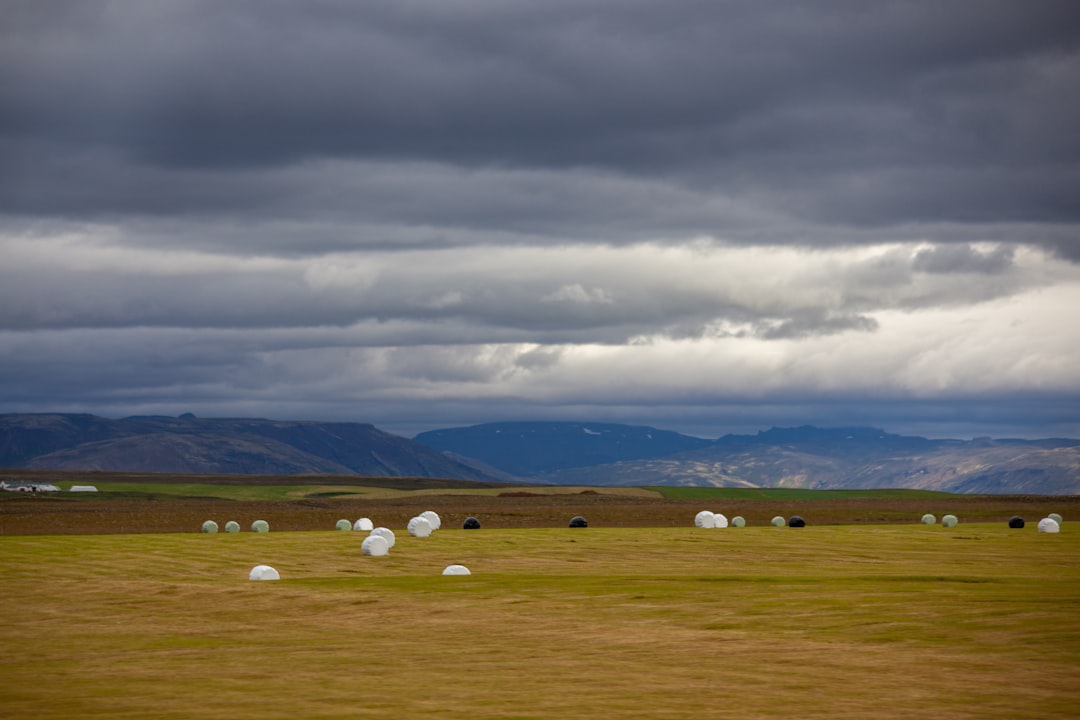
{"x": 375, "y": 546}
{"x": 456, "y": 570}
{"x": 343, "y": 524}
{"x": 720, "y": 520}
{"x": 263, "y": 572}
{"x": 1049, "y": 525}
{"x": 1055, "y": 517}
{"x": 470, "y": 523}
{"x": 578, "y": 522}
{"x": 929, "y": 519}
{"x": 949, "y": 521}
{"x": 796, "y": 521}
{"x": 260, "y": 526}
{"x": 433, "y": 518}
{"x": 778, "y": 521}
{"x": 705, "y": 519}
{"x": 738, "y": 521}
{"x": 232, "y": 527}
{"x": 419, "y": 527}
{"x": 364, "y": 525}
{"x": 387, "y": 535}
{"x": 1016, "y": 522}
{"x": 209, "y": 527}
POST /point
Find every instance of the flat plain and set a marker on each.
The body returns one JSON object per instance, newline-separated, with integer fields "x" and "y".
{"x": 147, "y": 503}
{"x": 854, "y": 619}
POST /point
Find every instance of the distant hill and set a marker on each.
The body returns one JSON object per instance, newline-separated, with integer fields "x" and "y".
{"x": 803, "y": 457}
{"x": 529, "y": 449}
{"x": 210, "y": 446}
{"x": 849, "y": 458}
{"x": 564, "y": 453}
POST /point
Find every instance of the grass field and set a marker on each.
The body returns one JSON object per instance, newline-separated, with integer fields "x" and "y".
{"x": 164, "y": 503}
{"x": 841, "y": 622}
{"x": 286, "y": 491}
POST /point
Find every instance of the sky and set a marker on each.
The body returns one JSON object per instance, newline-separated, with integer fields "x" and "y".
{"x": 699, "y": 215}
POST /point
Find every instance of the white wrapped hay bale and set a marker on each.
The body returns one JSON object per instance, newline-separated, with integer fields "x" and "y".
{"x": 456, "y": 570}
{"x": 778, "y": 521}
{"x": 949, "y": 521}
{"x": 263, "y": 572}
{"x": 343, "y": 524}
{"x": 364, "y": 525}
{"x": 705, "y": 519}
{"x": 232, "y": 527}
{"x": 375, "y": 546}
{"x": 929, "y": 519}
{"x": 419, "y": 527}
{"x": 433, "y": 519}
{"x": 1049, "y": 525}
{"x": 720, "y": 520}
{"x": 209, "y": 527}
{"x": 738, "y": 521}
{"x": 260, "y": 526}
{"x": 1055, "y": 517}
{"x": 387, "y": 534}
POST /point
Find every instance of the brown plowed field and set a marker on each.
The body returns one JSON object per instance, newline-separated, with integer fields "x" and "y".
{"x": 504, "y": 507}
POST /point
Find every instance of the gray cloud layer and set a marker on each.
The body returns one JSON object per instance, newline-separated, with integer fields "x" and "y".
{"x": 418, "y": 213}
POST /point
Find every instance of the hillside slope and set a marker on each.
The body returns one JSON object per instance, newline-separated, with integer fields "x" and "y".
{"x": 198, "y": 445}
{"x": 530, "y": 448}
{"x": 852, "y": 458}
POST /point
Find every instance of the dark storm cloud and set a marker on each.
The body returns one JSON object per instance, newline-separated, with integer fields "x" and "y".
{"x": 837, "y": 112}
{"x": 963, "y": 258}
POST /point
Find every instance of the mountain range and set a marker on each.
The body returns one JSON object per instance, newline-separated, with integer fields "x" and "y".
{"x": 800, "y": 457}
{"x": 212, "y": 446}
{"x": 565, "y": 453}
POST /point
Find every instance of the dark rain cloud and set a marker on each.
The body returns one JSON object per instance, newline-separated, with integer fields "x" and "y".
{"x": 963, "y": 258}
{"x": 833, "y": 112}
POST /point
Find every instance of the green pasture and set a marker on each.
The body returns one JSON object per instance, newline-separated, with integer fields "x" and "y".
{"x": 226, "y": 491}
{"x": 290, "y": 491}
{"x": 714, "y": 493}
{"x": 826, "y": 622}
{"x": 244, "y": 492}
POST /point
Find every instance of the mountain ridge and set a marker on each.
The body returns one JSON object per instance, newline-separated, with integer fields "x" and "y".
{"x": 217, "y": 445}
{"x": 530, "y": 448}
{"x": 977, "y": 466}
{"x": 563, "y": 453}
{"x": 805, "y": 457}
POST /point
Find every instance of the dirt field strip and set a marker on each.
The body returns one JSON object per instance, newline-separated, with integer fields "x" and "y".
{"x": 134, "y": 504}
{"x": 839, "y": 622}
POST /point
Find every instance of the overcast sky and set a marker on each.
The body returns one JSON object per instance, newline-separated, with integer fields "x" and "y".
{"x": 699, "y": 215}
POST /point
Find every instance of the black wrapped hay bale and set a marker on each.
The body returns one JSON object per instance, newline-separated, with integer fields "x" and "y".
{"x": 1016, "y": 522}
{"x": 796, "y": 521}
{"x": 471, "y": 523}
{"x": 578, "y": 521}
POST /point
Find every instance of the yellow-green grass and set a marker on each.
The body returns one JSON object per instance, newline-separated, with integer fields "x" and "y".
{"x": 979, "y": 621}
